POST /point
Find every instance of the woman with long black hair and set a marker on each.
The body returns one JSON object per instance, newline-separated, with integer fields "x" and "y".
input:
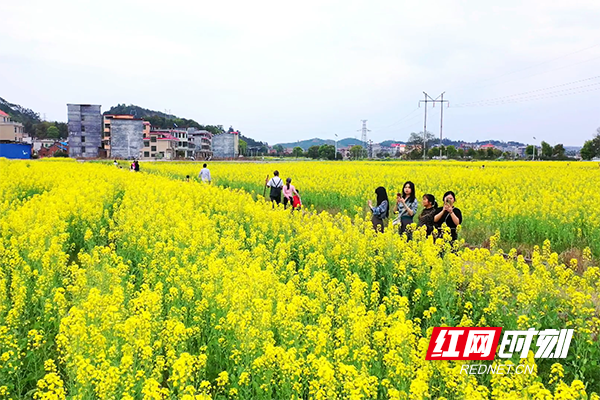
{"x": 381, "y": 211}
{"x": 406, "y": 207}
{"x": 427, "y": 215}
{"x": 449, "y": 215}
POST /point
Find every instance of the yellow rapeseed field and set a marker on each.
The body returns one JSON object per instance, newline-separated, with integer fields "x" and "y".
{"x": 122, "y": 285}
{"x": 528, "y": 202}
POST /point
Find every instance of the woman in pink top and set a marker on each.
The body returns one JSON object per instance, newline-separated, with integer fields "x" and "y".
{"x": 288, "y": 193}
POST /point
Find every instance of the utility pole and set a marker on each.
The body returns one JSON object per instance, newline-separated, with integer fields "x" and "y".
{"x": 442, "y": 119}
{"x": 424, "y": 123}
{"x": 336, "y": 138}
{"x": 364, "y": 131}
{"x": 429, "y": 99}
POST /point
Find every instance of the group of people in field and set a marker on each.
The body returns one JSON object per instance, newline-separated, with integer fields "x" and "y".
{"x": 291, "y": 196}
{"x": 134, "y": 167}
{"x": 432, "y": 216}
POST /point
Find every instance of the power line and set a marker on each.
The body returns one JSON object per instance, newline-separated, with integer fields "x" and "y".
{"x": 400, "y": 120}
{"x": 541, "y": 73}
{"x": 533, "y": 91}
{"x": 407, "y": 124}
{"x": 536, "y": 65}
{"x": 542, "y": 63}
{"x": 513, "y": 101}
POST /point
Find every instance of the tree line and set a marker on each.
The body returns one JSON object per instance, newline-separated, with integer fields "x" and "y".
{"x": 591, "y": 148}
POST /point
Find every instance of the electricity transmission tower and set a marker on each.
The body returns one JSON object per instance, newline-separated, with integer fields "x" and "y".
{"x": 364, "y": 131}
{"x": 429, "y": 99}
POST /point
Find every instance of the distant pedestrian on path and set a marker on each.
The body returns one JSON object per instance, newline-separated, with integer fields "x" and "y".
{"x": 115, "y": 163}
{"x": 381, "y": 211}
{"x": 205, "y": 174}
{"x": 136, "y": 166}
{"x": 276, "y": 184}
{"x": 289, "y": 191}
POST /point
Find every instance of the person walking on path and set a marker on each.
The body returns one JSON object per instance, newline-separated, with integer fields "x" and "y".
{"x": 406, "y": 207}
{"x": 296, "y": 202}
{"x": 276, "y": 185}
{"x": 381, "y": 211}
{"x": 289, "y": 191}
{"x": 205, "y": 174}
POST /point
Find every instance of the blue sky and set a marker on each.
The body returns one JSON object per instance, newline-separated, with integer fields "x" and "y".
{"x": 285, "y": 71}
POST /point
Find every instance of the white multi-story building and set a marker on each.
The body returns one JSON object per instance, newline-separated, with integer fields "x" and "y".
{"x": 201, "y": 143}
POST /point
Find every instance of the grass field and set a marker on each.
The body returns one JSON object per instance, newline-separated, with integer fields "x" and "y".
{"x": 120, "y": 285}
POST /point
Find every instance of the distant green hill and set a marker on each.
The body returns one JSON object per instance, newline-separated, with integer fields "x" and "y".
{"x": 137, "y": 111}
{"x": 388, "y": 143}
{"x": 305, "y": 144}
{"x": 21, "y": 114}
{"x": 162, "y": 120}
{"x": 32, "y": 123}
{"x": 349, "y": 142}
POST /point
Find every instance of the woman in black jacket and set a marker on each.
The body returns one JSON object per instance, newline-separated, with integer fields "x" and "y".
{"x": 427, "y": 215}
{"x": 449, "y": 215}
{"x": 381, "y": 211}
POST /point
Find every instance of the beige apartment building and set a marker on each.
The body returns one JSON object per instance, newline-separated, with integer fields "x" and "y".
{"x": 160, "y": 144}
{"x": 9, "y": 130}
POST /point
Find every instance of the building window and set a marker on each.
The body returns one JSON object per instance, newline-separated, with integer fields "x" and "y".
{"x": 106, "y": 126}
{"x": 83, "y": 117}
{"x": 146, "y": 154}
{"x": 15, "y": 129}
{"x": 153, "y": 139}
{"x": 153, "y": 148}
{"x": 82, "y": 128}
{"x": 152, "y": 155}
{"x": 83, "y": 139}
{"x": 82, "y": 150}
{"x": 146, "y": 143}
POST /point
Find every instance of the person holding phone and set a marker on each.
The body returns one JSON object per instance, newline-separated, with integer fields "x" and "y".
{"x": 406, "y": 207}
{"x": 449, "y": 215}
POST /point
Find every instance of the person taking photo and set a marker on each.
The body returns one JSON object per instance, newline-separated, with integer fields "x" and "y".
{"x": 449, "y": 215}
